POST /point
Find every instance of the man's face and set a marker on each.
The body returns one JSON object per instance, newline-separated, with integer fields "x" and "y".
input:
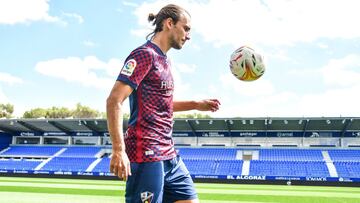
{"x": 180, "y": 32}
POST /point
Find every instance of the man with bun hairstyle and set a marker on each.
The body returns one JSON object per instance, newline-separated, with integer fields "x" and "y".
{"x": 145, "y": 156}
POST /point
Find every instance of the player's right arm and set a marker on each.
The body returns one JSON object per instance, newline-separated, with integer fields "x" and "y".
{"x": 119, "y": 163}
{"x": 135, "y": 68}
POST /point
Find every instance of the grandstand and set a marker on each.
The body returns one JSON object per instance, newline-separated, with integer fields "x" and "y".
{"x": 266, "y": 149}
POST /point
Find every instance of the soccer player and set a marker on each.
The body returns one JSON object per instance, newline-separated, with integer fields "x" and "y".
{"x": 145, "y": 156}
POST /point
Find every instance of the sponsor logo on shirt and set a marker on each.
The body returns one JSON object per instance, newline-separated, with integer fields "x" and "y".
{"x": 129, "y": 67}
{"x": 150, "y": 152}
{"x": 146, "y": 197}
{"x": 167, "y": 84}
{"x": 159, "y": 67}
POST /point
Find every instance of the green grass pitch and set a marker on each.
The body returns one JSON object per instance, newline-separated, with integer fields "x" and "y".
{"x": 44, "y": 190}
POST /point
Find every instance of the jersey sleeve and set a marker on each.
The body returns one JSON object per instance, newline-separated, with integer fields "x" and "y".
{"x": 136, "y": 67}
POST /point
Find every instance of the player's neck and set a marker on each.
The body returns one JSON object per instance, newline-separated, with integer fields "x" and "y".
{"x": 161, "y": 42}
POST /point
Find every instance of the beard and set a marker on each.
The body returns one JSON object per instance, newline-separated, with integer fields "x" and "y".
{"x": 175, "y": 44}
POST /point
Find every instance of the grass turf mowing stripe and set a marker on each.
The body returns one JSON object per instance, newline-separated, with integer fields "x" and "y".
{"x": 24, "y": 197}
{"x": 57, "y": 185}
{"x": 276, "y": 190}
{"x": 66, "y": 198}
{"x": 290, "y": 190}
{"x": 280, "y": 193}
{"x": 71, "y": 191}
{"x": 207, "y": 192}
{"x": 203, "y": 196}
{"x": 198, "y": 185}
{"x": 273, "y": 198}
{"x": 62, "y": 181}
{"x": 277, "y": 187}
{"x": 230, "y": 201}
{"x": 29, "y": 186}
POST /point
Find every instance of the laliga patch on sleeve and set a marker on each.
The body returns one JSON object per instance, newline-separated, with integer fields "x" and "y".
{"x": 129, "y": 67}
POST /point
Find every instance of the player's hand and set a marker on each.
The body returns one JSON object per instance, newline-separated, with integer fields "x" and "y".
{"x": 208, "y": 105}
{"x": 120, "y": 165}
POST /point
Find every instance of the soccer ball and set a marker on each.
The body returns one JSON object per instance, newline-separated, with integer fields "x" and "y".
{"x": 246, "y": 64}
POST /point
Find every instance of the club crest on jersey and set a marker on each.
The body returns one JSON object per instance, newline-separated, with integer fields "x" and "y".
{"x": 129, "y": 67}
{"x": 146, "y": 197}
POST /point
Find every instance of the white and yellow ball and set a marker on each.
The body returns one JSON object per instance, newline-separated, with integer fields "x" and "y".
{"x": 246, "y": 64}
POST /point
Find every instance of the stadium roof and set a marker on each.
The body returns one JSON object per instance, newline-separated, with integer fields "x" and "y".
{"x": 341, "y": 124}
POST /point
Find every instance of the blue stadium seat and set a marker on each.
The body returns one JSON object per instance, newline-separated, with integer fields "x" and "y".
{"x": 200, "y": 161}
{"x": 200, "y": 167}
{"x": 229, "y": 167}
{"x": 290, "y": 155}
{"x": 345, "y": 155}
{"x": 289, "y": 168}
{"x": 103, "y": 165}
{"x": 31, "y": 151}
{"x": 80, "y": 152}
{"x": 348, "y": 169}
{"x": 13, "y": 164}
{"x": 68, "y": 164}
{"x": 208, "y": 153}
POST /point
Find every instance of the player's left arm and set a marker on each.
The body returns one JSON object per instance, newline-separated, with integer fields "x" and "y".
{"x": 202, "y": 105}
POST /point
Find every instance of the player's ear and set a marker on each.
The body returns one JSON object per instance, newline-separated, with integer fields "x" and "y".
{"x": 169, "y": 23}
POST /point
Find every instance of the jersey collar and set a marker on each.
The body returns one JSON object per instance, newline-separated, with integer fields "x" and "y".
{"x": 157, "y": 49}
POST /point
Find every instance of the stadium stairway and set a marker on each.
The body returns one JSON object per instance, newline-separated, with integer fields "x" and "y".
{"x": 93, "y": 165}
{"x": 4, "y": 150}
{"x": 49, "y": 159}
{"x": 246, "y": 163}
{"x": 329, "y": 163}
{"x": 245, "y": 168}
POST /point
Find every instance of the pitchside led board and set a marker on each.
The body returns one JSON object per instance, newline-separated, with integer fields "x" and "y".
{"x": 54, "y": 134}
{"x": 310, "y": 134}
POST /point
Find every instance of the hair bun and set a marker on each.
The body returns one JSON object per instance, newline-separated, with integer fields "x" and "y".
{"x": 151, "y": 17}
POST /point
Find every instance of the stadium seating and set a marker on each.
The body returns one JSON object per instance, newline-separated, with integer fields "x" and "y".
{"x": 345, "y": 155}
{"x": 211, "y": 161}
{"x": 80, "y": 152}
{"x": 69, "y": 158}
{"x": 289, "y": 168}
{"x": 16, "y": 164}
{"x": 347, "y": 162}
{"x": 348, "y": 169}
{"x": 203, "y": 167}
{"x": 208, "y": 153}
{"x": 229, "y": 167}
{"x": 68, "y": 164}
{"x": 290, "y": 155}
{"x": 103, "y": 165}
{"x": 199, "y": 161}
{"x": 31, "y": 151}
